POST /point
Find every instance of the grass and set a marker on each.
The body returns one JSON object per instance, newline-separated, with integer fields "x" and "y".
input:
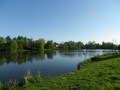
{"x": 91, "y": 75}
{"x": 105, "y": 56}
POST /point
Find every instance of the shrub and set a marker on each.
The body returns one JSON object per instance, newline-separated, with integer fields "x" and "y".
{"x": 1, "y": 86}
{"x": 27, "y": 78}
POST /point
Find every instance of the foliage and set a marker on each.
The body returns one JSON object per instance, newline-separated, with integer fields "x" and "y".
{"x": 40, "y": 44}
{"x": 20, "y": 45}
{"x": 108, "y": 45}
{"x": 11, "y": 85}
{"x": 119, "y": 47}
{"x": 90, "y": 45}
{"x": 24, "y": 43}
{"x": 2, "y": 41}
{"x": 1, "y": 86}
{"x": 50, "y": 45}
{"x": 27, "y": 79}
{"x": 11, "y": 46}
{"x": 8, "y": 38}
{"x": 71, "y": 45}
{"x": 79, "y": 45}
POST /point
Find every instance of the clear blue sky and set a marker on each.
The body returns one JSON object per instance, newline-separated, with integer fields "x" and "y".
{"x": 61, "y": 20}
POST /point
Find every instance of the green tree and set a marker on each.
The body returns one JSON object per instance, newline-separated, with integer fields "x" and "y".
{"x": 40, "y": 44}
{"x": 20, "y": 45}
{"x": 8, "y": 38}
{"x": 80, "y": 45}
{"x": 71, "y": 45}
{"x": 119, "y": 47}
{"x": 23, "y": 43}
{"x": 11, "y": 46}
{"x": 63, "y": 46}
{"x": 50, "y": 45}
{"x": 91, "y": 45}
{"x": 31, "y": 44}
{"x": 2, "y": 41}
{"x": 108, "y": 45}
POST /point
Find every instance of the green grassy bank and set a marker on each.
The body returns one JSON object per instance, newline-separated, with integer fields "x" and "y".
{"x": 99, "y": 73}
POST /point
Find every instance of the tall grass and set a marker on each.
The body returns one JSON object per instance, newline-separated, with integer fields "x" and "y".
{"x": 27, "y": 81}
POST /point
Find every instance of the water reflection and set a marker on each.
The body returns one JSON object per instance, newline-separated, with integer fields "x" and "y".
{"x": 48, "y": 63}
{"x": 87, "y": 53}
{"x": 23, "y": 57}
{"x": 50, "y": 54}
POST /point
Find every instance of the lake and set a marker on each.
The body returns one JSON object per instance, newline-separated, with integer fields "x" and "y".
{"x": 49, "y": 64}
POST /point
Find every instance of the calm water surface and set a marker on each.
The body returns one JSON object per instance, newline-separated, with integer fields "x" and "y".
{"x": 52, "y": 63}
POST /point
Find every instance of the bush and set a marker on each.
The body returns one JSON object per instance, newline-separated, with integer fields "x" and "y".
{"x": 26, "y": 79}
{"x": 11, "y": 85}
{"x": 29, "y": 79}
{"x": 1, "y": 86}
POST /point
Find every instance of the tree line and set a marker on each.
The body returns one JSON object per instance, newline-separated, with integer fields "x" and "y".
{"x": 21, "y": 43}
{"x": 90, "y": 45}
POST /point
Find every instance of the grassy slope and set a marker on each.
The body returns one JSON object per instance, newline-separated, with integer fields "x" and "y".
{"x": 102, "y": 75}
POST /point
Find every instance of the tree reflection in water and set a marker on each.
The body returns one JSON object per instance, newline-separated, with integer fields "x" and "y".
{"x": 23, "y": 57}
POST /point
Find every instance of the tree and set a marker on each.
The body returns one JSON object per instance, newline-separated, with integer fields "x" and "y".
{"x": 63, "y": 46}
{"x": 91, "y": 45}
{"x": 108, "y": 45}
{"x": 8, "y": 38}
{"x": 71, "y": 45}
{"x": 2, "y": 41}
{"x": 80, "y": 45}
{"x": 40, "y": 44}
{"x": 119, "y": 47}
{"x": 31, "y": 44}
{"x": 11, "y": 46}
{"x": 50, "y": 45}
{"x": 20, "y": 44}
{"x": 23, "y": 43}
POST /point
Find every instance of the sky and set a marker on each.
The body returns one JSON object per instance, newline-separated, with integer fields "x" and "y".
{"x": 61, "y": 20}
